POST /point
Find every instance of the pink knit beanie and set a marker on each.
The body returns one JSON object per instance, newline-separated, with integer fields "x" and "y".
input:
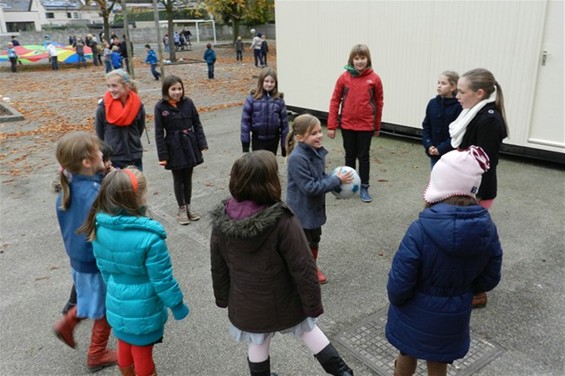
{"x": 457, "y": 173}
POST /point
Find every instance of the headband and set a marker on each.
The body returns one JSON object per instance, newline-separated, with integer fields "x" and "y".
{"x": 132, "y": 178}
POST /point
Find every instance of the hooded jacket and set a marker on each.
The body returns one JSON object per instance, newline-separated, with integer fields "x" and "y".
{"x": 133, "y": 258}
{"x": 447, "y": 255}
{"x": 262, "y": 267}
{"x": 357, "y": 101}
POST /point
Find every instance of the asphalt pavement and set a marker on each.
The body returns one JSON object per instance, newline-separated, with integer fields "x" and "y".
{"x": 524, "y": 316}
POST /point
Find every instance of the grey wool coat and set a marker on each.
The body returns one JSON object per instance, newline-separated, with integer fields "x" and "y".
{"x": 263, "y": 270}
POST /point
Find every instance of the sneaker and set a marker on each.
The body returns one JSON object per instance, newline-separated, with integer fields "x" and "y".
{"x": 193, "y": 216}
{"x": 182, "y": 216}
{"x": 365, "y": 196}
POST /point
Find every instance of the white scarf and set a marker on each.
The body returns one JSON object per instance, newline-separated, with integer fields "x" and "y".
{"x": 459, "y": 126}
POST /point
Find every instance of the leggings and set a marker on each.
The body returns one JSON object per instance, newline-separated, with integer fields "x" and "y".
{"x": 315, "y": 340}
{"x": 140, "y": 356}
{"x": 182, "y": 181}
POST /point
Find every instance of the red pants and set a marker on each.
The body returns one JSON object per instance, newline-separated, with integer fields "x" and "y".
{"x": 140, "y": 356}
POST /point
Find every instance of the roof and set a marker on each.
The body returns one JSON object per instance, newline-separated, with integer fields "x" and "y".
{"x": 61, "y": 4}
{"x": 16, "y": 5}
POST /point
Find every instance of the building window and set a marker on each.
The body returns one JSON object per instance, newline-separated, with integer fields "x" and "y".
{"x": 75, "y": 14}
{"x": 50, "y": 15}
{"x": 15, "y": 27}
{"x": 69, "y": 15}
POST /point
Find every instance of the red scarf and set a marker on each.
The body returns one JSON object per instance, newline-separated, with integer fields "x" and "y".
{"x": 122, "y": 115}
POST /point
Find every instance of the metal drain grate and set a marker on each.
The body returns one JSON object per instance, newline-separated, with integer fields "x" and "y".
{"x": 367, "y": 342}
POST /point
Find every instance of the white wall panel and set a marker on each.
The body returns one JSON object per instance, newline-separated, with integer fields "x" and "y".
{"x": 411, "y": 43}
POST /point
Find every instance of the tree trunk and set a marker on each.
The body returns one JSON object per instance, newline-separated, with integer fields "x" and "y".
{"x": 235, "y": 31}
{"x": 172, "y": 49}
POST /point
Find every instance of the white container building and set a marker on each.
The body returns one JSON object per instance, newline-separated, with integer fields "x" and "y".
{"x": 412, "y": 42}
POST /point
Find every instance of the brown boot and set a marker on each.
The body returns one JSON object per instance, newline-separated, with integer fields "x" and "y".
{"x": 182, "y": 216}
{"x": 65, "y": 326}
{"x": 480, "y": 300}
{"x": 98, "y": 355}
{"x": 322, "y": 279}
{"x": 193, "y": 216}
{"x": 127, "y": 371}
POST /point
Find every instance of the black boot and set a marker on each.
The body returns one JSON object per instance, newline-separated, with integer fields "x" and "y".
{"x": 332, "y": 362}
{"x": 260, "y": 369}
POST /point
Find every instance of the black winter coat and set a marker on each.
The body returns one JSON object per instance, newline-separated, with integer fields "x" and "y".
{"x": 179, "y": 134}
{"x": 487, "y": 130}
{"x": 125, "y": 141}
{"x": 263, "y": 270}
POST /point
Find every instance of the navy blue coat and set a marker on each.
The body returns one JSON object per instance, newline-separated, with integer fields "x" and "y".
{"x": 440, "y": 112}
{"x": 179, "y": 134}
{"x": 447, "y": 255}
{"x": 264, "y": 119}
{"x": 307, "y": 185}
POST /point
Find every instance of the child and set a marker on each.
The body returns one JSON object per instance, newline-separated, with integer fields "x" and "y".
{"x": 451, "y": 252}
{"x": 264, "y": 49}
{"x": 180, "y": 141}
{"x": 56, "y": 184}
{"x": 483, "y": 123}
{"x": 239, "y": 49}
{"x": 256, "y": 48}
{"x": 120, "y": 120}
{"x": 79, "y": 48}
{"x": 116, "y": 58}
{"x": 151, "y": 59}
{"x": 262, "y": 270}
{"x": 263, "y": 120}
{"x": 79, "y": 154}
{"x": 440, "y": 112}
{"x": 132, "y": 255}
{"x": 52, "y": 52}
{"x": 107, "y": 57}
{"x": 210, "y": 57}
{"x": 13, "y": 56}
{"x": 307, "y": 182}
{"x": 356, "y": 107}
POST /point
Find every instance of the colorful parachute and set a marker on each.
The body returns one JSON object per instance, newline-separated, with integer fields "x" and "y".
{"x": 37, "y": 54}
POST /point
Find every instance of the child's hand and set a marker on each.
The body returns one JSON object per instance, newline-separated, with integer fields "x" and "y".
{"x": 180, "y": 311}
{"x": 331, "y": 133}
{"x": 346, "y": 177}
{"x": 162, "y": 163}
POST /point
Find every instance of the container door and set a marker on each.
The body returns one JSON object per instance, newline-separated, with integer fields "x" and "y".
{"x": 547, "y": 127}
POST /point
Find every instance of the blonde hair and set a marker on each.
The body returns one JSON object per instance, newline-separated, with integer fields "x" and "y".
{"x": 122, "y": 192}
{"x": 124, "y": 76}
{"x": 72, "y": 149}
{"x": 302, "y": 125}
{"x": 360, "y": 50}
{"x": 452, "y": 78}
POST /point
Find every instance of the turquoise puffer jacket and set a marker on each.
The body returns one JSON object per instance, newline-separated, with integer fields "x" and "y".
{"x": 133, "y": 258}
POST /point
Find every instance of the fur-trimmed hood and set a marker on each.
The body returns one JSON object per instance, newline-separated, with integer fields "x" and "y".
{"x": 255, "y": 226}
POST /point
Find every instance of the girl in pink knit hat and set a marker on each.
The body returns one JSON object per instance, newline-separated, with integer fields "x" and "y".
{"x": 450, "y": 253}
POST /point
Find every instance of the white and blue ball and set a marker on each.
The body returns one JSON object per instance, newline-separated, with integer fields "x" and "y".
{"x": 348, "y": 190}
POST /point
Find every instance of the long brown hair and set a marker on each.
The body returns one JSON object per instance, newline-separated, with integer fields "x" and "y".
{"x": 72, "y": 149}
{"x": 457, "y": 201}
{"x": 121, "y": 192}
{"x": 259, "y": 92}
{"x": 360, "y": 50}
{"x": 255, "y": 177}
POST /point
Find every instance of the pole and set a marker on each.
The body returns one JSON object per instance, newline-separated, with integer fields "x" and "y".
{"x": 158, "y": 32}
{"x": 127, "y": 41}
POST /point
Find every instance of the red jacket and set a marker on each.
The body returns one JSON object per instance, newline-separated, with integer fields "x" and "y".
{"x": 361, "y": 100}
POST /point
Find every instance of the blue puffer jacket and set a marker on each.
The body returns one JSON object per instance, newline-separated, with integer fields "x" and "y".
{"x": 446, "y": 256}
{"x": 132, "y": 256}
{"x": 264, "y": 119}
{"x": 307, "y": 185}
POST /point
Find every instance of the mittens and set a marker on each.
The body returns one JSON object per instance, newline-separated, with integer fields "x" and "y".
{"x": 180, "y": 311}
